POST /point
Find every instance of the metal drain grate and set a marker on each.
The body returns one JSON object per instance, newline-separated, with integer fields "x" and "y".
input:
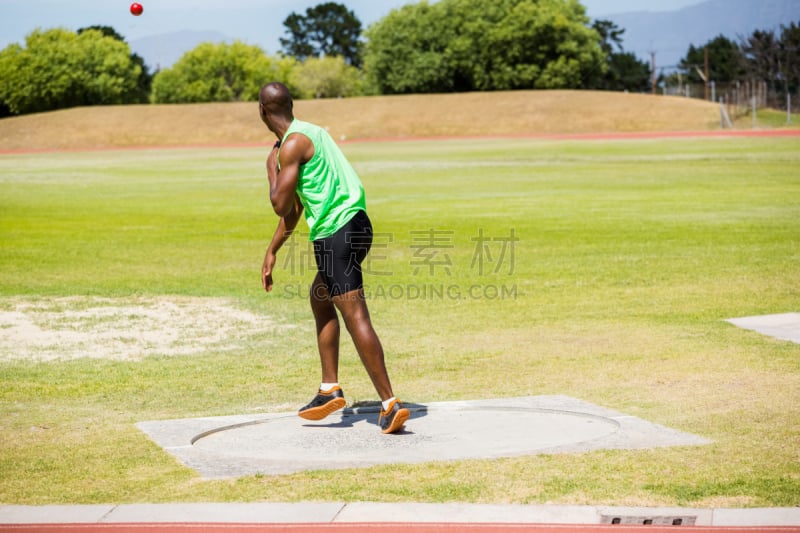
{"x": 643, "y": 520}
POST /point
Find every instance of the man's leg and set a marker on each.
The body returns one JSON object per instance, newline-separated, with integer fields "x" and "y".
{"x": 339, "y": 258}
{"x": 327, "y": 323}
{"x": 355, "y": 314}
{"x": 354, "y": 311}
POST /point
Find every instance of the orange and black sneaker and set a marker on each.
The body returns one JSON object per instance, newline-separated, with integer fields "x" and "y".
{"x": 323, "y": 404}
{"x": 393, "y": 419}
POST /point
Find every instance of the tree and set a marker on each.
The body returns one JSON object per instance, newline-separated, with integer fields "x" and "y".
{"x": 725, "y": 59}
{"x": 328, "y": 29}
{"x": 405, "y": 51}
{"x": 467, "y": 45}
{"x": 326, "y": 77}
{"x": 59, "y": 68}
{"x": 145, "y": 81}
{"x": 624, "y": 71}
{"x": 107, "y": 31}
{"x": 762, "y": 53}
{"x": 219, "y": 73}
{"x": 610, "y": 35}
{"x": 790, "y": 57}
{"x": 774, "y": 59}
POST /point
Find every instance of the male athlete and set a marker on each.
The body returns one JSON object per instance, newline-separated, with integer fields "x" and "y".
{"x": 309, "y": 174}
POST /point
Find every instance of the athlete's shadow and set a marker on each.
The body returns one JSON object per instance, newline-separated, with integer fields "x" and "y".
{"x": 369, "y": 412}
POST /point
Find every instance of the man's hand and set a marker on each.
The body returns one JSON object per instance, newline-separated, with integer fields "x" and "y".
{"x": 283, "y": 232}
{"x": 266, "y": 270}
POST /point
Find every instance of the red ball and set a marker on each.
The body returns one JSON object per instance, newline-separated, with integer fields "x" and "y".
{"x": 136, "y": 9}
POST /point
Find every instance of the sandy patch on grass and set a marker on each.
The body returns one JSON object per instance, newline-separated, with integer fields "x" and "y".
{"x": 125, "y": 329}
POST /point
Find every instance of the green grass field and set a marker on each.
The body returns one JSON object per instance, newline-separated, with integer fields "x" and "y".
{"x": 601, "y": 270}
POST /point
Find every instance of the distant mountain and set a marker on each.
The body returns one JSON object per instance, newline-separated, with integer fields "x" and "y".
{"x": 669, "y": 34}
{"x": 162, "y": 51}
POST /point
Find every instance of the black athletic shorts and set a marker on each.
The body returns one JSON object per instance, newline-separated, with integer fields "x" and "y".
{"x": 339, "y": 256}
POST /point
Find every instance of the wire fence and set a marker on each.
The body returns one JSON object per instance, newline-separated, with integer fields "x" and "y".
{"x": 738, "y": 98}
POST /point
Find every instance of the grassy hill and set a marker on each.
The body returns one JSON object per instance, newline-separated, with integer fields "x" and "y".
{"x": 467, "y": 114}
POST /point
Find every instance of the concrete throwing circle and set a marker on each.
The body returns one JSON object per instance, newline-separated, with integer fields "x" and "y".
{"x": 283, "y": 443}
{"x": 352, "y": 438}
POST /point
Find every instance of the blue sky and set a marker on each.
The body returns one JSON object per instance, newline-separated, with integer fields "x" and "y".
{"x": 253, "y": 21}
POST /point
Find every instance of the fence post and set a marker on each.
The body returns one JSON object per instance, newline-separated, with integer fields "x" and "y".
{"x": 732, "y": 104}
{"x": 788, "y": 107}
{"x": 753, "y": 103}
{"x": 724, "y": 117}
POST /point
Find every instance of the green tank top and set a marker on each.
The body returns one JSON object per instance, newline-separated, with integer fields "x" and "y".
{"x": 328, "y": 186}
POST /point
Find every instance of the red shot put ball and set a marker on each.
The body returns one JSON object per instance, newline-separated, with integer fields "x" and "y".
{"x": 136, "y": 9}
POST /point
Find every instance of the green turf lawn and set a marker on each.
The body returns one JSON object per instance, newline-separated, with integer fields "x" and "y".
{"x": 597, "y": 270}
{"x": 767, "y": 118}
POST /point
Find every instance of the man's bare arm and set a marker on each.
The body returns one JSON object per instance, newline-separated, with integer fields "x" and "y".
{"x": 283, "y": 171}
{"x": 283, "y": 232}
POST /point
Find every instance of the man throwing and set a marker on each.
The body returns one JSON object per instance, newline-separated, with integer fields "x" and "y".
{"x": 309, "y": 174}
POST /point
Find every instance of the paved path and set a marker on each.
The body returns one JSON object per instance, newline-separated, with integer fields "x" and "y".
{"x": 388, "y": 518}
{"x": 784, "y": 326}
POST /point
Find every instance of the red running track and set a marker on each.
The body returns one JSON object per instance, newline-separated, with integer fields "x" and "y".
{"x": 366, "y": 527}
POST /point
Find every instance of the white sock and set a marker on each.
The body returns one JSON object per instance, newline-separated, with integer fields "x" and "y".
{"x": 327, "y": 386}
{"x": 387, "y": 403}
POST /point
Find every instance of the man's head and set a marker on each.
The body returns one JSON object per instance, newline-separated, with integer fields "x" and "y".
{"x": 275, "y": 107}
